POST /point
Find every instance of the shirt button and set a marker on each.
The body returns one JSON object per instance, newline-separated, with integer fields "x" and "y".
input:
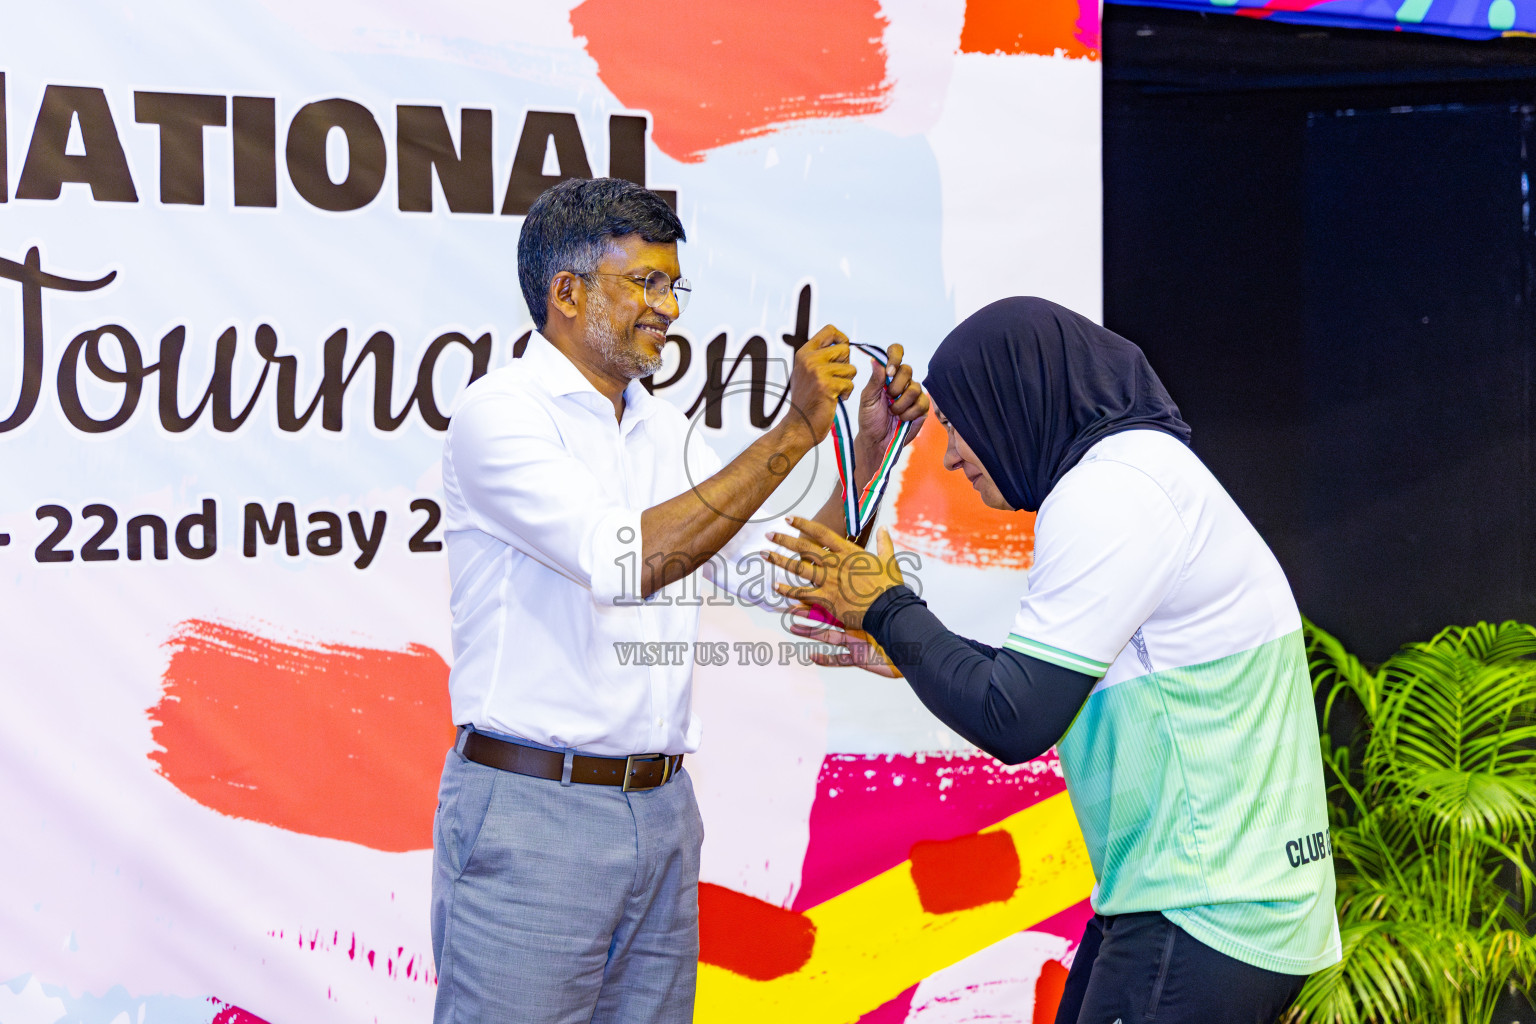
{"x": 660, "y": 722}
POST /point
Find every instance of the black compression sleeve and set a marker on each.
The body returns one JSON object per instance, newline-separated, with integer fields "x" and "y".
{"x": 979, "y": 647}
{"x": 1011, "y": 705}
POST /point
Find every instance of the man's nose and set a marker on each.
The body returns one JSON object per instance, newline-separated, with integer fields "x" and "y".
{"x": 669, "y": 307}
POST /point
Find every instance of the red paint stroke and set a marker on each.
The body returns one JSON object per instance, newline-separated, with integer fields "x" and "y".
{"x": 870, "y": 810}
{"x": 325, "y": 739}
{"x": 395, "y": 965}
{"x": 1069, "y": 28}
{"x": 893, "y": 1012}
{"x": 228, "y": 1014}
{"x": 750, "y": 936}
{"x": 719, "y": 71}
{"x": 971, "y": 871}
{"x": 940, "y": 515}
{"x": 1048, "y": 989}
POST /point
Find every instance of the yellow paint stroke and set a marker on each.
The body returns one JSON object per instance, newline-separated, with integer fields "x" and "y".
{"x": 875, "y": 941}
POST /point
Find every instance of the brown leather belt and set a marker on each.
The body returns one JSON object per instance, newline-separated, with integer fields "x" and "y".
{"x": 635, "y": 772}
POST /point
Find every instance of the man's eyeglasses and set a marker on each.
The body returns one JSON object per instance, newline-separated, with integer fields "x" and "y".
{"x": 656, "y": 284}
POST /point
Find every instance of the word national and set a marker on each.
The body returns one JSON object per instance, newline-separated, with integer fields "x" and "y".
{"x": 423, "y": 147}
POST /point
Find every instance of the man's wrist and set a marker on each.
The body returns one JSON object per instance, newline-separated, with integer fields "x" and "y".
{"x": 790, "y": 437}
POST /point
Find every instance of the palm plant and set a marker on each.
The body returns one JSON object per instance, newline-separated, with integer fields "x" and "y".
{"x": 1432, "y": 805}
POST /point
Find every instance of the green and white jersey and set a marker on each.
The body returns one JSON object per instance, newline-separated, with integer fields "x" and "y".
{"x": 1194, "y": 767}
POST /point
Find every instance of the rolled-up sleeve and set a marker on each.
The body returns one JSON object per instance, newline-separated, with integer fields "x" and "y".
{"x": 521, "y": 485}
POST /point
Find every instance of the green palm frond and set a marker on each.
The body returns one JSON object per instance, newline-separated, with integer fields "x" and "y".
{"x": 1392, "y": 971}
{"x": 1493, "y": 645}
{"x": 1430, "y": 799}
{"x": 1513, "y": 955}
{"x": 1444, "y": 708}
{"x": 1476, "y": 802}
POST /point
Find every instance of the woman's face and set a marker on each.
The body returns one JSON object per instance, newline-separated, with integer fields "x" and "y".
{"x": 958, "y": 455}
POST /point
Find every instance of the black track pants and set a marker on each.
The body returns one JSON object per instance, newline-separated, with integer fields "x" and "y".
{"x": 1144, "y": 969}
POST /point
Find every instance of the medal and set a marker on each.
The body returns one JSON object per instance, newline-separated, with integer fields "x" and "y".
{"x": 859, "y": 509}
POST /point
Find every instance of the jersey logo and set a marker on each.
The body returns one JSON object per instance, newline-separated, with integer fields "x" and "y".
{"x": 1140, "y": 643}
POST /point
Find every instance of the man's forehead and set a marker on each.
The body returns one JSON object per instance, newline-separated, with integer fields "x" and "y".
{"x": 634, "y": 252}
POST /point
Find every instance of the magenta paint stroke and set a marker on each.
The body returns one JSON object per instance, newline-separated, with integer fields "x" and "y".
{"x": 870, "y": 809}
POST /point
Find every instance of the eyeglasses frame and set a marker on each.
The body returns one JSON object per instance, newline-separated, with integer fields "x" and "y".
{"x": 644, "y": 283}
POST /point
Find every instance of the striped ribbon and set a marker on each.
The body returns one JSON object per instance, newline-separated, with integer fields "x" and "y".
{"x": 860, "y": 507}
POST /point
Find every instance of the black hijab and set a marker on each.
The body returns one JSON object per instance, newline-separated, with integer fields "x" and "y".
{"x": 1031, "y": 386}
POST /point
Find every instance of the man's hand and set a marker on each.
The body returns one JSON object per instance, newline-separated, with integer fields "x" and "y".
{"x": 822, "y": 374}
{"x": 890, "y": 397}
{"x": 843, "y": 578}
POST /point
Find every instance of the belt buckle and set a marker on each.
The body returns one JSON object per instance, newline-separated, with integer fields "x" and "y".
{"x": 629, "y": 769}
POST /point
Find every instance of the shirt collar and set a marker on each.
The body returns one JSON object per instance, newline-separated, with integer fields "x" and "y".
{"x": 559, "y": 375}
{"x": 553, "y": 370}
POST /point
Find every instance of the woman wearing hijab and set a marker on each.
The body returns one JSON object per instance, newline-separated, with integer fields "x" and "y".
{"x": 1158, "y": 647}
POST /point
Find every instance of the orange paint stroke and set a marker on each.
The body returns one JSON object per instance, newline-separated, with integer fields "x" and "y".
{"x": 1048, "y": 27}
{"x": 939, "y": 514}
{"x": 328, "y": 740}
{"x": 720, "y": 71}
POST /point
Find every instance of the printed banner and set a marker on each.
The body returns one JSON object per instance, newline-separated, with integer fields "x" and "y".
{"x": 250, "y": 252}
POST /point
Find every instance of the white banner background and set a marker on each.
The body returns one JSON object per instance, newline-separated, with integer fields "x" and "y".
{"x": 952, "y": 179}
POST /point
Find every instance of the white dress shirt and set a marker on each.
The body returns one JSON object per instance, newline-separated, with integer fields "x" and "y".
{"x": 543, "y": 494}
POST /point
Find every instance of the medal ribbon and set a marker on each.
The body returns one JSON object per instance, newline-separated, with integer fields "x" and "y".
{"x": 860, "y": 508}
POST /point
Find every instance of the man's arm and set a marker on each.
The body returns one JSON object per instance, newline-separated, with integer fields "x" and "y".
{"x": 521, "y": 485}
{"x": 682, "y": 533}
{"x": 510, "y": 475}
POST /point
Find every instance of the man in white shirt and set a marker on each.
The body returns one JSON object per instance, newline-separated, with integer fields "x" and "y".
{"x": 566, "y": 844}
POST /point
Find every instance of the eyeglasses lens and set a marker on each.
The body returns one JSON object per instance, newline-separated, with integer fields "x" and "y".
{"x": 657, "y": 284}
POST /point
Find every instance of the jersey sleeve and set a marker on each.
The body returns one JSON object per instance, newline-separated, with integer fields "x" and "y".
{"x": 1109, "y": 546}
{"x": 1011, "y": 705}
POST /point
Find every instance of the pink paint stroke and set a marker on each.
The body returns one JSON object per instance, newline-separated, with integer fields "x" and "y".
{"x": 870, "y": 809}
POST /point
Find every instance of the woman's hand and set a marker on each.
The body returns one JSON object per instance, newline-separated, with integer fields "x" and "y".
{"x": 858, "y": 649}
{"x": 890, "y": 397}
{"x": 843, "y": 578}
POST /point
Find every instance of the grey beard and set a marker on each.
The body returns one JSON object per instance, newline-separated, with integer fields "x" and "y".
{"x": 605, "y": 338}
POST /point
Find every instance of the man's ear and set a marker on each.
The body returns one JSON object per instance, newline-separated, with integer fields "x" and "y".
{"x": 566, "y": 292}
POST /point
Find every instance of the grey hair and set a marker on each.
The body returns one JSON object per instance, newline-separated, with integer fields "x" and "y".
{"x": 571, "y": 225}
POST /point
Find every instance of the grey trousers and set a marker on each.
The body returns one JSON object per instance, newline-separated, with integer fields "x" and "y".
{"x": 563, "y": 904}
